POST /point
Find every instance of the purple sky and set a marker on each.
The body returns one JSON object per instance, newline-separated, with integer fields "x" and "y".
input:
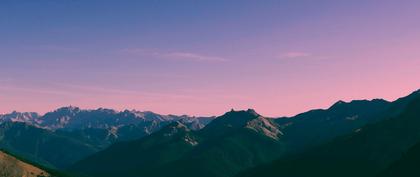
{"x": 206, "y": 57}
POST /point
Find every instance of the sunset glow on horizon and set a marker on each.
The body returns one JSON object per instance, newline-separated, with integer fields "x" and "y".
{"x": 204, "y": 58}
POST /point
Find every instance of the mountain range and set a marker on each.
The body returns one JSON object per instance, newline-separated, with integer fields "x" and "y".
{"x": 239, "y": 140}
{"x": 74, "y": 118}
{"x": 366, "y": 138}
{"x": 66, "y": 135}
{"x": 365, "y": 152}
{"x": 220, "y": 149}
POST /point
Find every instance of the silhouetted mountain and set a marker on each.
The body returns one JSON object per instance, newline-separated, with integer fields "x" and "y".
{"x": 230, "y": 143}
{"x": 315, "y": 127}
{"x": 363, "y": 153}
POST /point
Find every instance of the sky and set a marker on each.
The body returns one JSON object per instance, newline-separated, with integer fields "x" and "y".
{"x": 279, "y": 57}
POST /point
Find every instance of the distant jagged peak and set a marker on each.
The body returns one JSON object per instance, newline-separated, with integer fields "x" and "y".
{"x": 107, "y": 110}
{"x": 249, "y": 112}
{"x": 26, "y": 117}
{"x": 148, "y": 115}
{"x": 72, "y": 109}
{"x": 17, "y": 113}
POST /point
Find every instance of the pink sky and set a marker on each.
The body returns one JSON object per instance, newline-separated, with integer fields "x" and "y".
{"x": 204, "y": 58}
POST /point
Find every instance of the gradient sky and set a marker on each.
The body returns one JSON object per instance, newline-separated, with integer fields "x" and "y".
{"x": 205, "y": 57}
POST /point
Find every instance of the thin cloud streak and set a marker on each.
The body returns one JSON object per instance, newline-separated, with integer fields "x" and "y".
{"x": 290, "y": 55}
{"x": 302, "y": 56}
{"x": 191, "y": 56}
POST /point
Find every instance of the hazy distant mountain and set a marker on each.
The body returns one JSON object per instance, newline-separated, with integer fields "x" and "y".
{"x": 230, "y": 143}
{"x": 364, "y": 153}
{"x": 68, "y": 134}
{"x": 71, "y": 118}
{"x": 26, "y": 117}
{"x": 74, "y": 118}
{"x": 61, "y": 148}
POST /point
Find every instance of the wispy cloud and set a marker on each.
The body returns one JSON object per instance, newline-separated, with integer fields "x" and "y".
{"x": 302, "y": 56}
{"x": 191, "y": 56}
{"x": 290, "y": 55}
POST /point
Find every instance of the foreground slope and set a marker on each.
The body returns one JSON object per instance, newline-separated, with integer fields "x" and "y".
{"x": 363, "y": 153}
{"x": 13, "y": 167}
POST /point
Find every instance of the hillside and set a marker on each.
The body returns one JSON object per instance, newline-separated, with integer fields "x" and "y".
{"x": 315, "y": 127}
{"x": 234, "y": 141}
{"x": 407, "y": 166}
{"x": 13, "y": 167}
{"x": 42, "y": 146}
{"x": 364, "y": 153}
